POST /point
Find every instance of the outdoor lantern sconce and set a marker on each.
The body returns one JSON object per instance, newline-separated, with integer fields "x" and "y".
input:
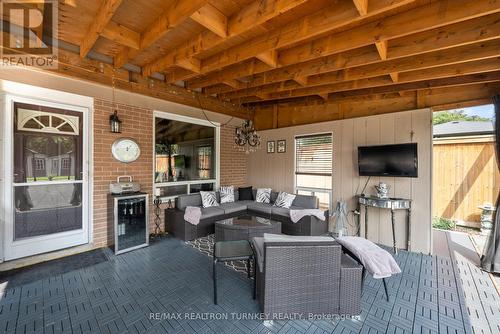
{"x": 115, "y": 124}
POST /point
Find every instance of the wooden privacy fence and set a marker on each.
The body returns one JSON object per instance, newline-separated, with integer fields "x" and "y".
{"x": 465, "y": 175}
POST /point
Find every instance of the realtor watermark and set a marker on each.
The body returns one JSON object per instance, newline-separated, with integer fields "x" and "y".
{"x": 209, "y": 316}
{"x": 29, "y": 33}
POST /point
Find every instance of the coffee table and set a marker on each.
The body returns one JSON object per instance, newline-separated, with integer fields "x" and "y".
{"x": 245, "y": 227}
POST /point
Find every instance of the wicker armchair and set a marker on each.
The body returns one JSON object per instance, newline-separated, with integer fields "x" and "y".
{"x": 308, "y": 278}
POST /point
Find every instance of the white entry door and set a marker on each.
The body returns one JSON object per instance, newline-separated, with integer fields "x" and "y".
{"x": 47, "y": 186}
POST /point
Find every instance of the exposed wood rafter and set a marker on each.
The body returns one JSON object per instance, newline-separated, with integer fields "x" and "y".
{"x": 418, "y": 41}
{"x": 394, "y": 76}
{"x": 255, "y": 14}
{"x": 122, "y": 35}
{"x": 270, "y": 58}
{"x": 212, "y": 19}
{"x": 104, "y": 15}
{"x": 168, "y": 20}
{"x": 382, "y": 49}
{"x": 361, "y": 6}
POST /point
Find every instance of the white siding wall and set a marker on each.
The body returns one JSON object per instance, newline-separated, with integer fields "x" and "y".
{"x": 277, "y": 170}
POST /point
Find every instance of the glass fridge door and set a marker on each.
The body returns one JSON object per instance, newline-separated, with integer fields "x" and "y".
{"x": 131, "y": 224}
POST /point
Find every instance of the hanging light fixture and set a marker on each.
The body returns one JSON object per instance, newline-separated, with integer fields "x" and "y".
{"x": 246, "y": 137}
{"x": 115, "y": 123}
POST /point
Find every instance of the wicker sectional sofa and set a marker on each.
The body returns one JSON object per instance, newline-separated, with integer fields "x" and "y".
{"x": 176, "y": 225}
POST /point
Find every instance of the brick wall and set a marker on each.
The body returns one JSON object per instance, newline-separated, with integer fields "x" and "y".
{"x": 233, "y": 163}
{"x": 137, "y": 123}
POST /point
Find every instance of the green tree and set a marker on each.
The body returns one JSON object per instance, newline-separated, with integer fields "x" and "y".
{"x": 456, "y": 115}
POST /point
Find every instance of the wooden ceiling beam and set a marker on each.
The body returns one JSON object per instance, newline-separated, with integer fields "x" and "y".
{"x": 104, "y": 15}
{"x": 418, "y": 85}
{"x": 462, "y": 33}
{"x": 467, "y": 71}
{"x": 284, "y": 115}
{"x": 339, "y": 14}
{"x": 270, "y": 58}
{"x": 254, "y": 14}
{"x": 191, "y": 64}
{"x": 235, "y": 84}
{"x": 122, "y": 35}
{"x": 466, "y": 53}
{"x": 212, "y": 19}
{"x": 433, "y": 15}
{"x": 382, "y": 49}
{"x": 169, "y": 19}
{"x": 361, "y": 6}
{"x": 394, "y": 76}
{"x": 73, "y": 66}
{"x": 301, "y": 80}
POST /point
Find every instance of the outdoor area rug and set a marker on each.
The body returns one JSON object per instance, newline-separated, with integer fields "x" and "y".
{"x": 206, "y": 246}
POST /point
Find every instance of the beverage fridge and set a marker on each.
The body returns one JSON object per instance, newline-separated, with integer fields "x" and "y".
{"x": 130, "y": 216}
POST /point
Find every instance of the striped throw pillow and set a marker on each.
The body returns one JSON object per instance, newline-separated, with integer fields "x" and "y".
{"x": 208, "y": 199}
{"x": 284, "y": 200}
{"x": 226, "y": 194}
{"x": 263, "y": 195}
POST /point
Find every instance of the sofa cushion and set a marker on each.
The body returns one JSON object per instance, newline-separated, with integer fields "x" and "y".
{"x": 306, "y": 202}
{"x": 212, "y": 212}
{"x": 258, "y": 243}
{"x": 245, "y": 193}
{"x": 188, "y": 200}
{"x": 233, "y": 207}
{"x": 282, "y": 212}
{"x": 270, "y": 237}
{"x": 260, "y": 207}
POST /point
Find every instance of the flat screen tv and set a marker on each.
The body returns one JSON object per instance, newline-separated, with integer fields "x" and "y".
{"x": 398, "y": 160}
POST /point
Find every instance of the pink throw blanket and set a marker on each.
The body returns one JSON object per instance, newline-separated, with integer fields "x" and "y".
{"x": 192, "y": 215}
{"x": 376, "y": 260}
{"x": 296, "y": 215}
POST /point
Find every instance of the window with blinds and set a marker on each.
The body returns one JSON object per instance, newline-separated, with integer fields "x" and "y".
{"x": 313, "y": 155}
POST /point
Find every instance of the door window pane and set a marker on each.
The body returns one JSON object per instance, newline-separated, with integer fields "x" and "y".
{"x": 48, "y": 146}
{"x": 47, "y": 209}
{"x": 49, "y": 151}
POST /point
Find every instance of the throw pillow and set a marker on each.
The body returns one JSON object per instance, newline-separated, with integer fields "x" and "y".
{"x": 245, "y": 194}
{"x": 226, "y": 194}
{"x": 208, "y": 199}
{"x": 263, "y": 195}
{"x": 284, "y": 200}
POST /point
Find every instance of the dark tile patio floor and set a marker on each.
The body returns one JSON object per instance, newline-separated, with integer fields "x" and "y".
{"x": 167, "y": 288}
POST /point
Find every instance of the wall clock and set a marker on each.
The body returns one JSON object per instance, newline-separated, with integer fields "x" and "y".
{"x": 126, "y": 150}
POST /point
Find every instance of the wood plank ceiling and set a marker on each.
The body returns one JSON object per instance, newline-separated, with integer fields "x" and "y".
{"x": 296, "y": 61}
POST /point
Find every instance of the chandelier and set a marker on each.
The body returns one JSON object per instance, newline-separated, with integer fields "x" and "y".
{"x": 246, "y": 137}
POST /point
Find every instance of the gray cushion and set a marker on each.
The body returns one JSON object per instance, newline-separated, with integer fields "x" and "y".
{"x": 270, "y": 237}
{"x": 211, "y": 212}
{"x": 282, "y": 212}
{"x": 260, "y": 207}
{"x": 233, "y": 207}
{"x": 245, "y": 202}
{"x": 188, "y": 200}
{"x": 306, "y": 202}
